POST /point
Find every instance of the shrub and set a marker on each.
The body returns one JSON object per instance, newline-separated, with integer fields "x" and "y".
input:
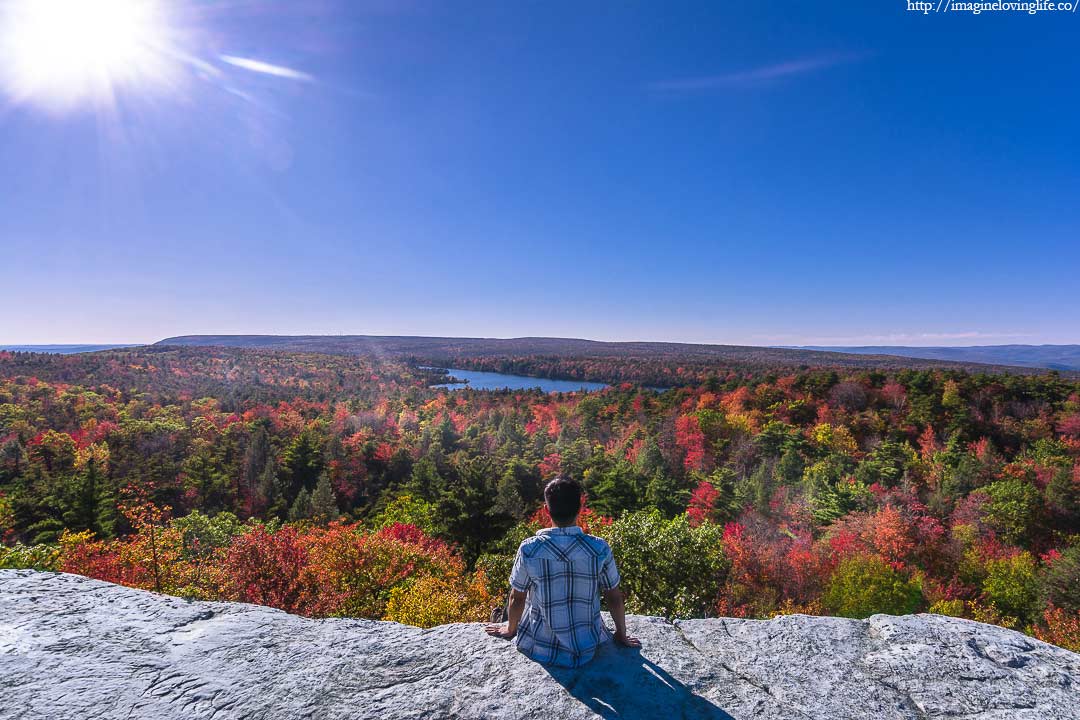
{"x": 7, "y": 518}
{"x": 30, "y": 557}
{"x": 355, "y": 573}
{"x": 1012, "y": 586}
{"x": 268, "y": 569}
{"x": 789, "y": 607}
{"x": 431, "y": 601}
{"x": 201, "y": 534}
{"x": 863, "y": 585}
{"x": 981, "y": 612}
{"x": 951, "y": 608}
{"x": 770, "y": 567}
{"x": 496, "y": 569}
{"x": 668, "y": 567}
{"x": 408, "y": 510}
{"x": 1060, "y": 627}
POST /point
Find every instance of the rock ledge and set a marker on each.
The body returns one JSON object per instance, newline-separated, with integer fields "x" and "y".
{"x": 71, "y": 647}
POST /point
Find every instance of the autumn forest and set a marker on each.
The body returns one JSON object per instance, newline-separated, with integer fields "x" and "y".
{"x": 345, "y": 485}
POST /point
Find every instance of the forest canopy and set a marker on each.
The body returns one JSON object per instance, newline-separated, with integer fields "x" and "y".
{"x": 330, "y": 484}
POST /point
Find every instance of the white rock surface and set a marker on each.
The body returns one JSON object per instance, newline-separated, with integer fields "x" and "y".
{"x": 76, "y": 648}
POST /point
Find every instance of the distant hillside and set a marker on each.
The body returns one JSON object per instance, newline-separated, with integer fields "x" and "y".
{"x": 1053, "y": 357}
{"x": 63, "y": 349}
{"x": 445, "y": 350}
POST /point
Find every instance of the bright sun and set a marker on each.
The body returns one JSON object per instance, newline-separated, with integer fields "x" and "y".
{"x": 63, "y": 53}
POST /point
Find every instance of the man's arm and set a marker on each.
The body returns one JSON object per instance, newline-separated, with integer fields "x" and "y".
{"x": 514, "y": 610}
{"x": 617, "y": 608}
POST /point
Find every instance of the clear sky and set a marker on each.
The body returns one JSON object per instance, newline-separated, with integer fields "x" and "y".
{"x": 741, "y": 172}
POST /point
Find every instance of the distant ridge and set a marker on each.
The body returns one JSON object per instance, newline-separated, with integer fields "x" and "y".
{"x": 65, "y": 349}
{"x": 448, "y": 349}
{"x": 1051, "y": 357}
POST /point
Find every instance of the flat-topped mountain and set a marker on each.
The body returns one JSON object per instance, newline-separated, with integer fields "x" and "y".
{"x": 74, "y": 648}
{"x": 1053, "y": 357}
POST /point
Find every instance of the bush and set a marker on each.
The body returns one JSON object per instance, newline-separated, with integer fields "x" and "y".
{"x": 496, "y": 569}
{"x": 434, "y": 601}
{"x": 1012, "y": 586}
{"x": 355, "y": 573}
{"x": 30, "y": 557}
{"x": 201, "y": 534}
{"x": 950, "y": 608}
{"x": 408, "y": 510}
{"x": 668, "y": 567}
{"x": 268, "y": 569}
{"x": 1060, "y": 627}
{"x": 864, "y": 585}
{"x": 989, "y": 614}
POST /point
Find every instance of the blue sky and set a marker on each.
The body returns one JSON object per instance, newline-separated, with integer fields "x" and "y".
{"x": 745, "y": 172}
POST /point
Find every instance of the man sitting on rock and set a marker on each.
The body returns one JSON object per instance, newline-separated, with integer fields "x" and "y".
{"x": 558, "y": 576}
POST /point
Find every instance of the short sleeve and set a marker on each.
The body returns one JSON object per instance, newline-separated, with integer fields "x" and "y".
{"x": 609, "y": 574}
{"x": 519, "y": 575}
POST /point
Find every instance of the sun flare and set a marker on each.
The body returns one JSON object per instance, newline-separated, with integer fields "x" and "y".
{"x": 63, "y": 53}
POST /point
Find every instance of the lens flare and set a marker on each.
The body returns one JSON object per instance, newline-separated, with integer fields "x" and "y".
{"x": 64, "y": 53}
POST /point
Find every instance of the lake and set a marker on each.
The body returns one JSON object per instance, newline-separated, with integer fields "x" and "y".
{"x": 500, "y": 381}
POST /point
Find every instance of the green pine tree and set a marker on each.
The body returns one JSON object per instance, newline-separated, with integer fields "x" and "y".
{"x": 301, "y": 508}
{"x": 324, "y": 507}
{"x": 665, "y": 493}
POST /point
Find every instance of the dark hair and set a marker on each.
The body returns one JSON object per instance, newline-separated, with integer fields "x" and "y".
{"x": 563, "y": 497}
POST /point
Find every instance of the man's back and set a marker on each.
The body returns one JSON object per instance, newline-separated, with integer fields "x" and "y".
{"x": 563, "y": 570}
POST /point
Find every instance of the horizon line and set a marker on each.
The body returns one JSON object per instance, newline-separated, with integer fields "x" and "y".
{"x": 808, "y": 346}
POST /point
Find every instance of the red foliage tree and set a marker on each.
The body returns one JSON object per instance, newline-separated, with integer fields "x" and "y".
{"x": 691, "y": 439}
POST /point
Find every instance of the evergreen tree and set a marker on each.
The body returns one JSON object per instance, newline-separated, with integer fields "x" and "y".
{"x": 761, "y": 486}
{"x": 256, "y": 458}
{"x": 205, "y": 474}
{"x": 106, "y": 516}
{"x": 666, "y": 493}
{"x": 324, "y": 507}
{"x": 616, "y": 490}
{"x": 268, "y": 495}
{"x": 464, "y": 508}
{"x": 399, "y": 469}
{"x": 790, "y": 468}
{"x": 79, "y": 504}
{"x": 301, "y": 508}
{"x": 727, "y": 504}
{"x": 425, "y": 481}
{"x": 831, "y": 491}
{"x": 12, "y": 459}
{"x": 301, "y": 465}
{"x": 89, "y": 505}
{"x": 519, "y": 491}
{"x": 650, "y": 460}
{"x": 1063, "y": 498}
{"x": 447, "y": 436}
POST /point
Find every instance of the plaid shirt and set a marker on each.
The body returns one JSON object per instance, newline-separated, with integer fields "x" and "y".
{"x": 563, "y": 570}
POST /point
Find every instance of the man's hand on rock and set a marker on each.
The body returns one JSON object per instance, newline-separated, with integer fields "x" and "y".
{"x": 500, "y": 630}
{"x": 627, "y": 640}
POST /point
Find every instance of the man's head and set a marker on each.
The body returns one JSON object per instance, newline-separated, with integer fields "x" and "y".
{"x": 563, "y": 498}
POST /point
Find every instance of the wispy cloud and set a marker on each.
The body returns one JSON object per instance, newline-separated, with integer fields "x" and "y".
{"x": 266, "y": 68}
{"x": 757, "y": 75}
